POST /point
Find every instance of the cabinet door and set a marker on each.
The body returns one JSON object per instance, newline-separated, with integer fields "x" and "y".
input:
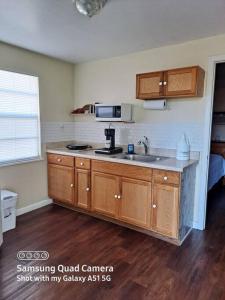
{"x": 135, "y": 202}
{"x": 180, "y": 82}
{"x": 105, "y": 190}
{"x": 61, "y": 183}
{"x": 149, "y": 85}
{"x": 165, "y": 210}
{"x": 83, "y": 188}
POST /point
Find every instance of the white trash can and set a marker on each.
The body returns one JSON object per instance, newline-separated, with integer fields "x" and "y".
{"x": 8, "y": 202}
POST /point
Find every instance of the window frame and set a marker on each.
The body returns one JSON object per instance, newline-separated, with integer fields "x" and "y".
{"x": 39, "y": 157}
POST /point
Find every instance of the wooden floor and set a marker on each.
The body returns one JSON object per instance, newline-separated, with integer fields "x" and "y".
{"x": 145, "y": 268}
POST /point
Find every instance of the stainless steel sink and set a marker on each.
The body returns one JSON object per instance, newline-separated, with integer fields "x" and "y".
{"x": 141, "y": 158}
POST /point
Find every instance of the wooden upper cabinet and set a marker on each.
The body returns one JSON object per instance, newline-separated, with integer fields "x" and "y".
{"x": 184, "y": 82}
{"x": 176, "y": 83}
{"x": 135, "y": 202}
{"x": 83, "y": 189}
{"x": 165, "y": 210}
{"x": 61, "y": 183}
{"x": 149, "y": 85}
{"x": 105, "y": 189}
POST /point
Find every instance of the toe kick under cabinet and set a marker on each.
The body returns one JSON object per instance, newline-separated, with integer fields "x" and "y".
{"x": 156, "y": 202}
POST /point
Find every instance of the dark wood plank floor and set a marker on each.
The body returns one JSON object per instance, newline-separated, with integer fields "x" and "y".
{"x": 145, "y": 268}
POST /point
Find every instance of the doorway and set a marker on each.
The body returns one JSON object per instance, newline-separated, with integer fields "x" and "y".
{"x": 216, "y": 170}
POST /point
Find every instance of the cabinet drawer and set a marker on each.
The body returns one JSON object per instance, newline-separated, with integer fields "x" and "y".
{"x": 169, "y": 177}
{"x": 83, "y": 163}
{"x": 62, "y": 160}
{"x": 122, "y": 170}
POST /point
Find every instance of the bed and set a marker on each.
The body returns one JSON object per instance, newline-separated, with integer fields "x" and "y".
{"x": 216, "y": 169}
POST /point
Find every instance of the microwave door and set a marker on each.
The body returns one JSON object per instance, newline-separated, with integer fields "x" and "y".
{"x": 105, "y": 112}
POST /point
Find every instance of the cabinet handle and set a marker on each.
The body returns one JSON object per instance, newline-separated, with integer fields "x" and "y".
{"x": 160, "y": 83}
{"x": 116, "y": 196}
{"x": 59, "y": 159}
{"x": 119, "y": 197}
{"x": 71, "y": 185}
{"x": 81, "y": 163}
{"x": 154, "y": 205}
{"x": 164, "y": 83}
{"x": 87, "y": 189}
{"x": 165, "y": 178}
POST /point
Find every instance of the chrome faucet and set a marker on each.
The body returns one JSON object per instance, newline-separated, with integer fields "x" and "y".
{"x": 145, "y": 143}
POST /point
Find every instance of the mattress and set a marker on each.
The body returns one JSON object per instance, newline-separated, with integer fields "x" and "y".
{"x": 216, "y": 169}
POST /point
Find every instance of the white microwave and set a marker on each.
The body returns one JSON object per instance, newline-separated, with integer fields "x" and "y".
{"x": 113, "y": 113}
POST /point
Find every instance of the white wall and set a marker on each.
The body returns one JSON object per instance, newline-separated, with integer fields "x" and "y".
{"x": 113, "y": 80}
{"x": 56, "y": 101}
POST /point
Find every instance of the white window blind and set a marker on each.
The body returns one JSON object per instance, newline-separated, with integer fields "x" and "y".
{"x": 19, "y": 118}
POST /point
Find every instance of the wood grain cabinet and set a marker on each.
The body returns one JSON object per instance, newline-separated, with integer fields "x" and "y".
{"x": 125, "y": 199}
{"x": 83, "y": 188}
{"x": 135, "y": 202}
{"x": 157, "y": 202}
{"x": 149, "y": 85}
{"x": 61, "y": 183}
{"x": 165, "y": 210}
{"x": 176, "y": 83}
{"x": 105, "y": 191}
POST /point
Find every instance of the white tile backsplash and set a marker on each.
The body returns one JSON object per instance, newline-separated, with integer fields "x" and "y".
{"x": 161, "y": 135}
{"x": 57, "y": 131}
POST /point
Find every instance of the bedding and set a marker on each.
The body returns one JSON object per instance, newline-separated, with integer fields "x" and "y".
{"x": 216, "y": 169}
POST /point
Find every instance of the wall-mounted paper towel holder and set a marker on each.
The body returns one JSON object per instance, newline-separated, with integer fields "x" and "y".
{"x": 155, "y": 104}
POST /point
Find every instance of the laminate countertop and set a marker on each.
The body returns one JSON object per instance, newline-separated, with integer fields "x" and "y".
{"x": 170, "y": 163}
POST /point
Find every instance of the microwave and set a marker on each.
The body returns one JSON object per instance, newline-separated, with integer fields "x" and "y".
{"x": 113, "y": 113}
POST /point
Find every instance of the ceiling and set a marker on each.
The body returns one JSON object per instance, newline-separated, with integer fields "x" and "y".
{"x": 55, "y": 28}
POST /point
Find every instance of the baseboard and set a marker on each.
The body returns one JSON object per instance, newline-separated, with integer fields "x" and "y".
{"x": 34, "y": 206}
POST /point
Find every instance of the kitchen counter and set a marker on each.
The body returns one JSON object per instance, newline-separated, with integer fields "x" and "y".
{"x": 170, "y": 164}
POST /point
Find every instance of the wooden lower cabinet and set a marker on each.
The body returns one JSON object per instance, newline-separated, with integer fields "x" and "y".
{"x": 153, "y": 200}
{"x": 125, "y": 199}
{"x": 135, "y": 202}
{"x": 165, "y": 210}
{"x": 83, "y": 188}
{"x": 105, "y": 189}
{"x": 61, "y": 183}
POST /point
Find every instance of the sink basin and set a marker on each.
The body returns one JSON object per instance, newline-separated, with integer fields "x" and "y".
{"x": 142, "y": 158}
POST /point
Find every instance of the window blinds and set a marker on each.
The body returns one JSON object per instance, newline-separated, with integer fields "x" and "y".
{"x": 19, "y": 117}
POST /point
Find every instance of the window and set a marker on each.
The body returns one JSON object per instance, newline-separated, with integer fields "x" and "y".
{"x": 19, "y": 118}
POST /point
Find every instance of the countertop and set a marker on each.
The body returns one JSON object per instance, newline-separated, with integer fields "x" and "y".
{"x": 170, "y": 163}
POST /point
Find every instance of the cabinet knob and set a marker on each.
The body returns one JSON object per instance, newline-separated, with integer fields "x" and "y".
{"x": 165, "y": 178}
{"x": 119, "y": 197}
{"x": 164, "y": 83}
{"x": 87, "y": 189}
{"x": 81, "y": 163}
{"x": 71, "y": 185}
{"x": 59, "y": 159}
{"x": 160, "y": 83}
{"x": 116, "y": 196}
{"x": 154, "y": 205}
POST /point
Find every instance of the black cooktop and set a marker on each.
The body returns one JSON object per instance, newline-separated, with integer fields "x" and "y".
{"x": 77, "y": 147}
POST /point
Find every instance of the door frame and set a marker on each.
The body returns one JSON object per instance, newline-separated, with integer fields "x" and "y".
{"x": 212, "y": 62}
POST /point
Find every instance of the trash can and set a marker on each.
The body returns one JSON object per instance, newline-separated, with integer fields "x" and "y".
{"x": 8, "y": 202}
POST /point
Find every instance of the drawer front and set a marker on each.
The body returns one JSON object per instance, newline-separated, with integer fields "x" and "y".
{"x": 169, "y": 177}
{"x": 83, "y": 163}
{"x": 62, "y": 160}
{"x": 123, "y": 170}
